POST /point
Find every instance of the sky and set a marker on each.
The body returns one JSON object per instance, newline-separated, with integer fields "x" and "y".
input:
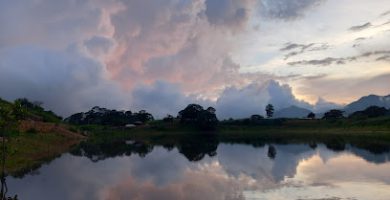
{"x": 161, "y": 55}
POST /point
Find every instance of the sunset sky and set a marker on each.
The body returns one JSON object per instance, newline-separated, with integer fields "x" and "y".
{"x": 161, "y": 55}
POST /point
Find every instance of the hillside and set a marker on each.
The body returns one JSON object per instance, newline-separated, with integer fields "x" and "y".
{"x": 32, "y": 135}
{"x": 367, "y": 101}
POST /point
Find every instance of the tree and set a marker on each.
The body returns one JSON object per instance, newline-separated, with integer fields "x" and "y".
{"x": 207, "y": 120}
{"x": 195, "y": 114}
{"x": 211, "y": 110}
{"x": 333, "y": 115}
{"x": 269, "y": 109}
{"x": 190, "y": 113}
{"x": 311, "y": 115}
{"x": 103, "y": 116}
{"x": 271, "y": 152}
{"x": 143, "y": 116}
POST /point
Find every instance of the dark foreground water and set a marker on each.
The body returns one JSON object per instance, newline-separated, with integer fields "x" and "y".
{"x": 226, "y": 171}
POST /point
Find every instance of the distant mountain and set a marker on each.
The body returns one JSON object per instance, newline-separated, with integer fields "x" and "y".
{"x": 367, "y": 101}
{"x": 292, "y": 112}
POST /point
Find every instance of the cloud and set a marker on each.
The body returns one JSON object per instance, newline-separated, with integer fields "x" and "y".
{"x": 99, "y": 46}
{"x": 132, "y": 43}
{"x": 384, "y": 58}
{"x": 202, "y": 184}
{"x": 252, "y": 99}
{"x": 254, "y": 162}
{"x": 322, "y": 62}
{"x": 360, "y": 27}
{"x": 358, "y": 41}
{"x": 291, "y": 46}
{"x": 385, "y": 14}
{"x": 232, "y": 103}
{"x": 323, "y": 105}
{"x": 287, "y": 9}
{"x": 187, "y": 42}
{"x": 302, "y": 48}
{"x": 112, "y": 50}
{"x": 343, "y": 60}
{"x": 163, "y": 98}
{"x": 228, "y": 12}
{"x": 357, "y": 87}
{"x": 386, "y": 23}
{"x": 65, "y": 81}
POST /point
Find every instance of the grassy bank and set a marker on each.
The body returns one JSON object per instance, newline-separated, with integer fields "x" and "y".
{"x": 34, "y": 143}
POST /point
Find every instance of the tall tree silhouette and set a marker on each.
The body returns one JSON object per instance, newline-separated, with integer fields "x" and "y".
{"x": 269, "y": 109}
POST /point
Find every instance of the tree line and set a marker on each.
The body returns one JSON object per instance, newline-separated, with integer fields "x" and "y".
{"x": 193, "y": 114}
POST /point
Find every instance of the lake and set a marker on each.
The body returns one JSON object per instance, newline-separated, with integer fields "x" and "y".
{"x": 217, "y": 171}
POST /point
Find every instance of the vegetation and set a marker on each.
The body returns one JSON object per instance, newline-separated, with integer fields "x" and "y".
{"x": 35, "y": 136}
{"x": 370, "y": 112}
{"x": 31, "y": 136}
{"x": 333, "y": 115}
{"x": 311, "y": 115}
{"x": 194, "y": 114}
{"x": 107, "y": 142}
{"x": 103, "y": 116}
{"x": 34, "y": 110}
{"x": 269, "y": 109}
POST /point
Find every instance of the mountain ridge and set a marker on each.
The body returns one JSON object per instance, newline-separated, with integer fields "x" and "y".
{"x": 367, "y": 101}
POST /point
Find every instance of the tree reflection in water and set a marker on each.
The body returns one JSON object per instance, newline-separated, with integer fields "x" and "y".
{"x": 170, "y": 167}
{"x": 271, "y": 152}
{"x": 196, "y": 147}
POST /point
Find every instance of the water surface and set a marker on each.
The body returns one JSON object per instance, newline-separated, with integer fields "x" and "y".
{"x": 222, "y": 171}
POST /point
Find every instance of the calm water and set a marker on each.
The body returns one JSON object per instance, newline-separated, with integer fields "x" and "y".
{"x": 224, "y": 171}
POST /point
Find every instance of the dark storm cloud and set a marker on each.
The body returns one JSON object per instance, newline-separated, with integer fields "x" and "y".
{"x": 360, "y": 27}
{"x": 287, "y": 9}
